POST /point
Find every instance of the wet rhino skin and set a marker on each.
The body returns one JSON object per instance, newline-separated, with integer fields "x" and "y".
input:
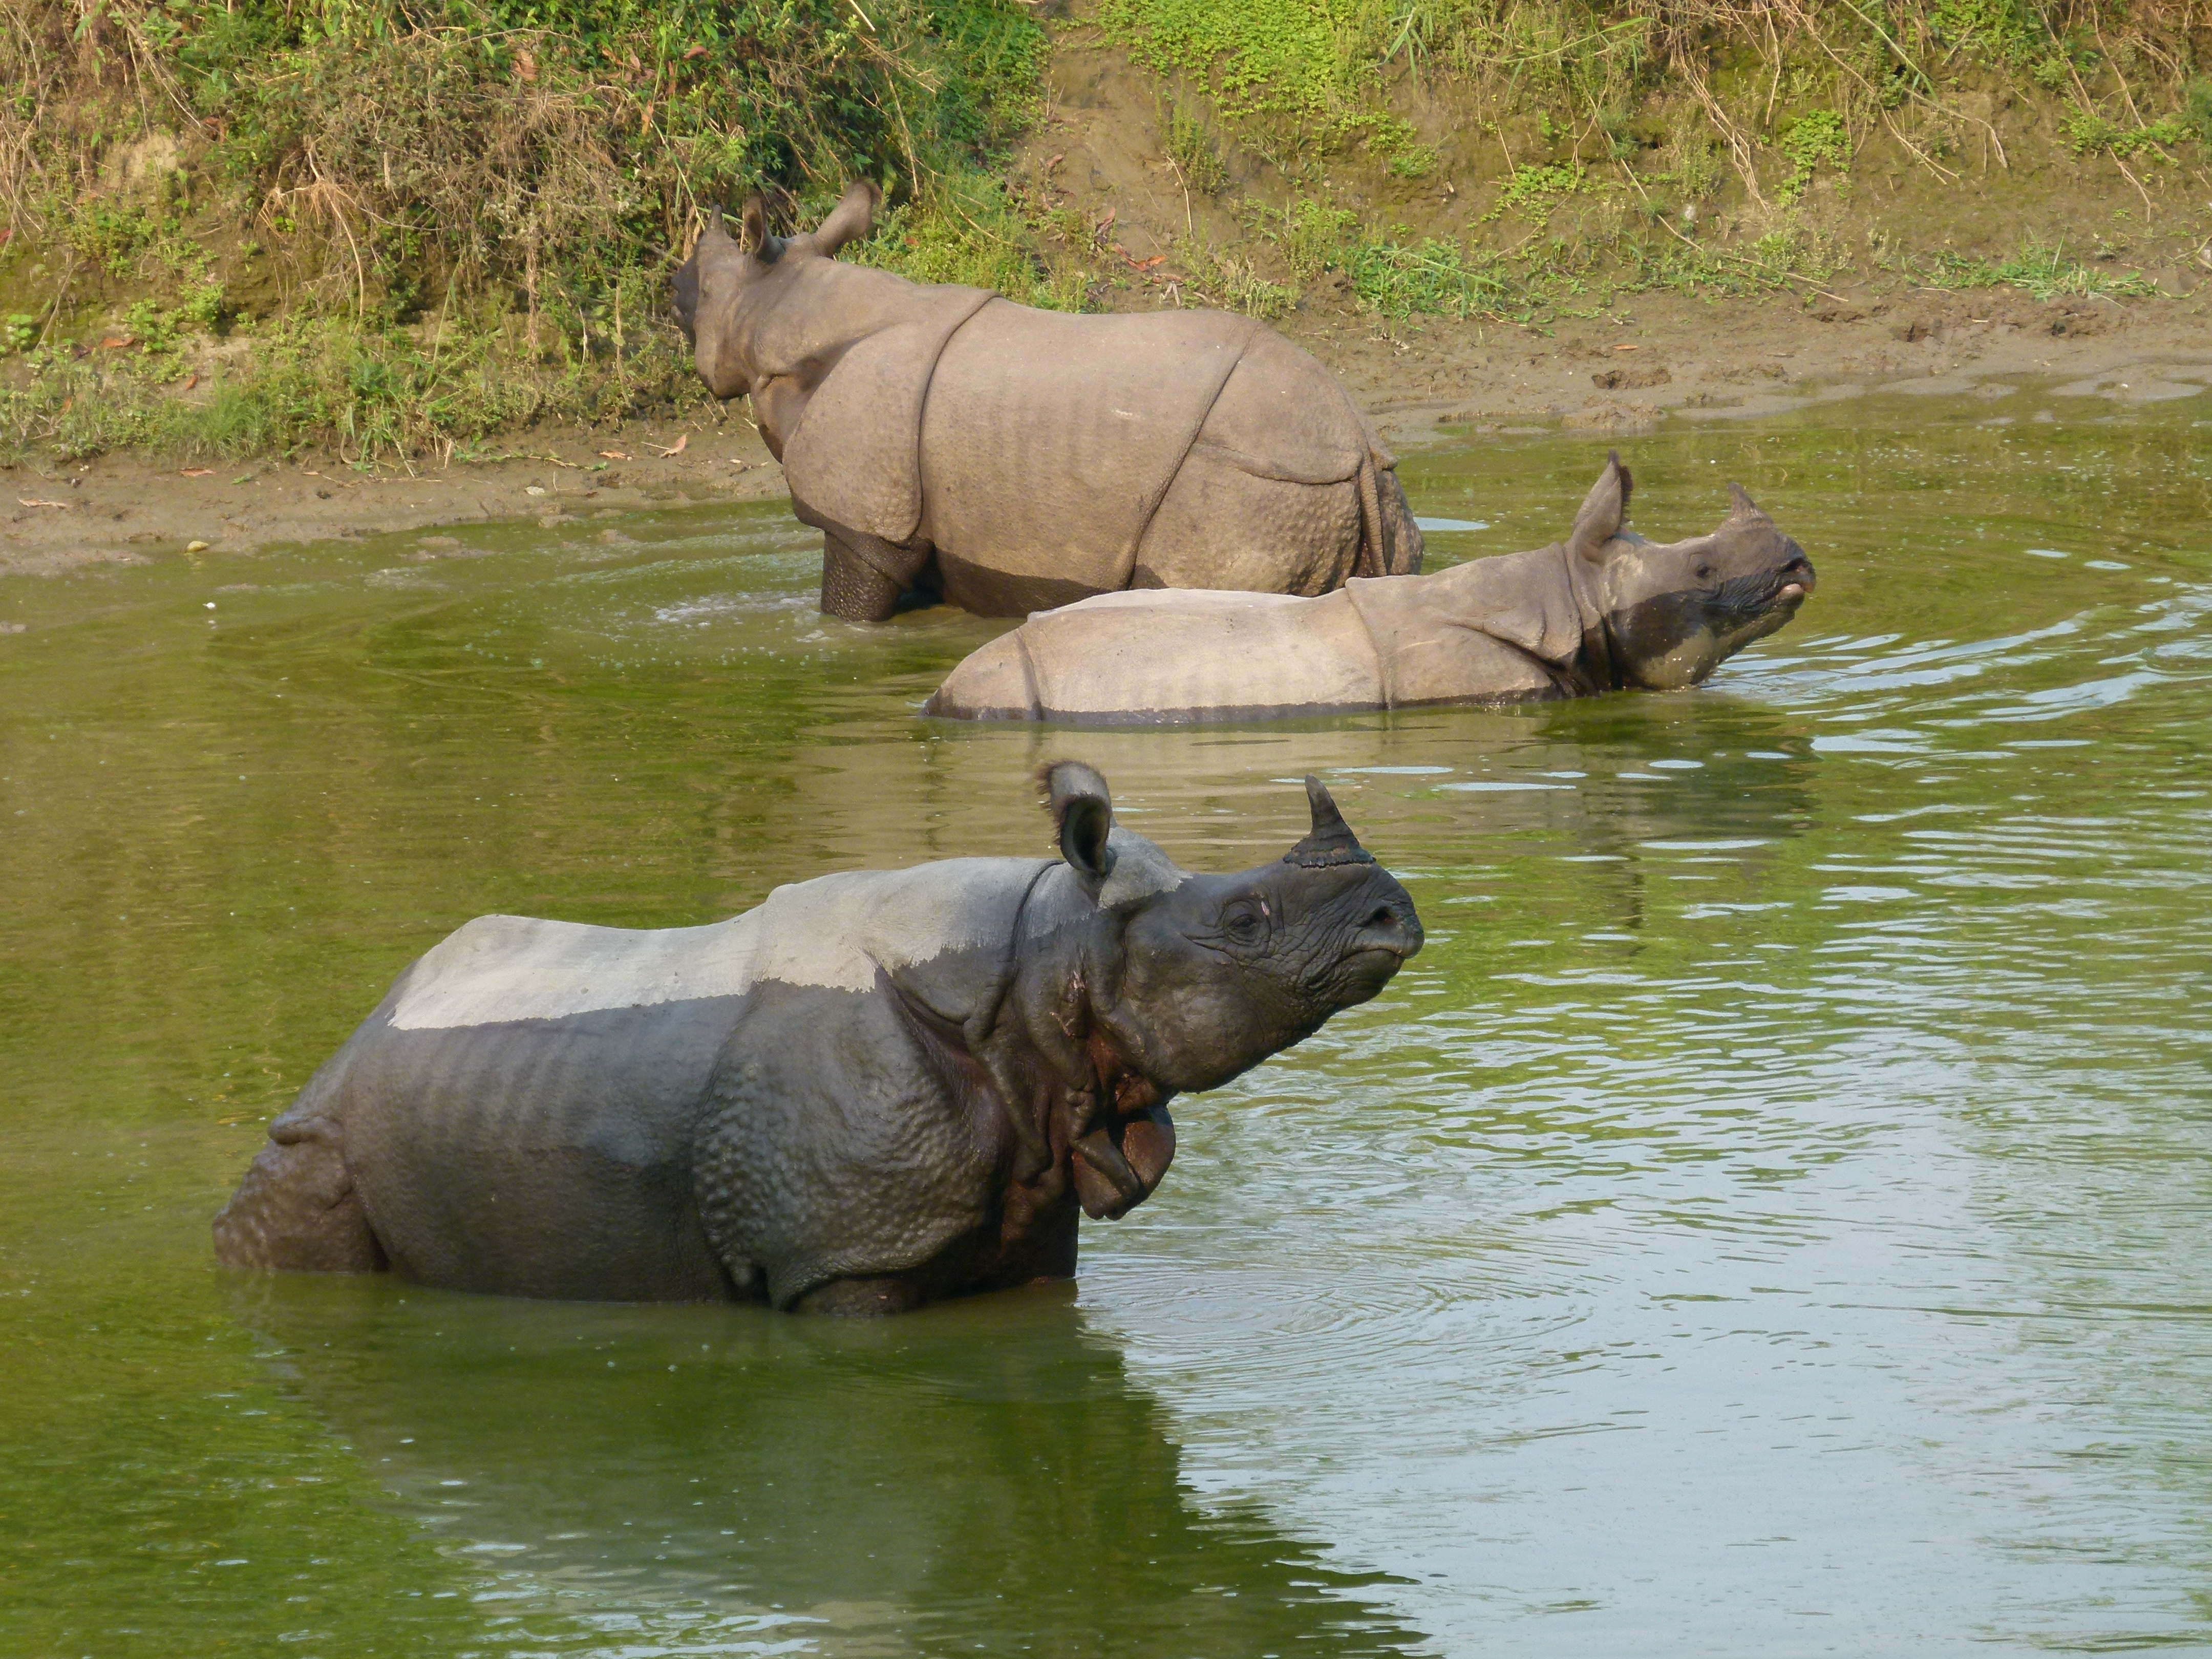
{"x": 1603, "y": 611}
{"x": 874, "y": 1089}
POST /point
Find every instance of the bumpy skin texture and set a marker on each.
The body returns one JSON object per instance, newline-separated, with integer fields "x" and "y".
{"x": 948, "y": 441}
{"x": 874, "y": 1090}
{"x": 1603, "y": 610}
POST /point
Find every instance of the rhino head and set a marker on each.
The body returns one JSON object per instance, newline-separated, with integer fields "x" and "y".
{"x": 728, "y": 283}
{"x": 1673, "y": 612}
{"x": 1176, "y": 982}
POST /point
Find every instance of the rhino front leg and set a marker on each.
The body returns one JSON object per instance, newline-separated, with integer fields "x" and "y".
{"x": 863, "y": 576}
{"x": 852, "y": 588}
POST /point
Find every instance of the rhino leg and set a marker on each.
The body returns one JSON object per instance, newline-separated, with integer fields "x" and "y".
{"x": 864, "y": 577}
{"x": 297, "y": 1210}
{"x": 861, "y": 1298}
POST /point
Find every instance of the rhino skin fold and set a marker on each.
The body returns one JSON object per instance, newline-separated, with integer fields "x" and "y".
{"x": 1603, "y": 610}
{"x": 947, "y": 441}
{"x": 874, "y": 1090}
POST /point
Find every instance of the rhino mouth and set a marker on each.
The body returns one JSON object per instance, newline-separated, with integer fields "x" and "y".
{"x": 1764, "y": 591}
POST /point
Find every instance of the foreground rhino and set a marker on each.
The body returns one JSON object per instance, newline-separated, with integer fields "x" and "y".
{"x": 946, "y": 440}
{"x": 1604, "y": 611}
{"x": 874, "y": 1090}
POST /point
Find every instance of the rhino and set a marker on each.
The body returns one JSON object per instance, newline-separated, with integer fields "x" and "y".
{"x": 875, "y": 1089}
{"x": 1603, "y": 610}
{"x": 948, "y": 442}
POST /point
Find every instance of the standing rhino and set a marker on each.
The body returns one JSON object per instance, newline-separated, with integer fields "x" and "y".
{"x": 946, "y": 440}
{"x": 874, "y": 1090}
{"x": 1604, "y": 611}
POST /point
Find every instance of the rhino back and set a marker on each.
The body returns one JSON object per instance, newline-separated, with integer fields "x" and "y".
{"x": 1174, "y": 655}
{"x": 523, "y": 1113}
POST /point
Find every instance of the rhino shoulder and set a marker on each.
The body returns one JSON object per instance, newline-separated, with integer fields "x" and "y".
{"x": 855, "y": 455}
{"x": 1492, "y": 629}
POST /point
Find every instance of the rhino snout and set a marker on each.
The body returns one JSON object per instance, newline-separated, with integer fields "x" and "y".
{"x": 1797, "y": 578}
{"x": 1390, "y": 929}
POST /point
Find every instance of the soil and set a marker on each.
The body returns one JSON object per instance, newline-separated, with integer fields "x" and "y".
{"x": 132, "y": 508}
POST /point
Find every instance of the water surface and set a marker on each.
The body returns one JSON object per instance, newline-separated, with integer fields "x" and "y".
{"x": 1771, "y": 1217}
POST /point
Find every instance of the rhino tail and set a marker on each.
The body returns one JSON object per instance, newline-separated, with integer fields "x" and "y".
{"x": 1389, "y": 542}
{"x": 1374, "y": 556}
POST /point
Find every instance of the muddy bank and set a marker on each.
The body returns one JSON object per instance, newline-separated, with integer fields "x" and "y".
{"x": 1649, "y": 359}
{"x": 130, "y": 508}
{"x": 1657, "y": 357}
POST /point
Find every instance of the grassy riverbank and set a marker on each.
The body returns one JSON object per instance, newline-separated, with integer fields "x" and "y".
{"x": 404, "y": 229}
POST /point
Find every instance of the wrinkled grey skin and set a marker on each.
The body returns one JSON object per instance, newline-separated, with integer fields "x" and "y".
{"x": 1603, "y": 610}
{"x": 949, "y": 443}
{"x": 874, "y": 1090}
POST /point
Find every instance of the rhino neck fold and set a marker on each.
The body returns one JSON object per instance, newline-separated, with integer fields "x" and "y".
{"x": 1596, "y": 664}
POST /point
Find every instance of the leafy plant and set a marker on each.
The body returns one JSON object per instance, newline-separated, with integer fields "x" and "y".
{"x": 2089, "y": 133}
{"x": 1190, "y": 146}
{"x": 1817, "y": 139}
{"x": 1535, "y": 192}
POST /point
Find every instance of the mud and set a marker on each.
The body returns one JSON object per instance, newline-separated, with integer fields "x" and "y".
{"x": 128, "y": 509}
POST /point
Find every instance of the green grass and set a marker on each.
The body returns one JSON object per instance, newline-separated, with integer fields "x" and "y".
{"x": 2038, "y": 270}
{"x": 424, "y": 224}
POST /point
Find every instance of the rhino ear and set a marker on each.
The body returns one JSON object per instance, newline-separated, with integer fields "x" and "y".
{"x": 1083, "y": 814}
{"x": 757, "y": 241}
{"x": 1604, "y": 510}
{"x": 850, "y": 220}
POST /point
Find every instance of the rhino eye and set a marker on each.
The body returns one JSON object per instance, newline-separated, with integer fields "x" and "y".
{"x": 1704, "y": 571}
{"x": 1243, "y": 923}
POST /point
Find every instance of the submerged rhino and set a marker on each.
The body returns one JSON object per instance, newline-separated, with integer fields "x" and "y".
{"x": 947, "y": 440}
{"x": 874, "y": 1090}
{"x": 1604, "y": 611}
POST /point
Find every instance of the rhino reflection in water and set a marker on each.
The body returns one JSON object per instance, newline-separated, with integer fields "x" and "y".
{"x": 1603, "y": 610}
{"x": 875, "y": 1089}
{"x": 696, "y": 1480}
{"x": 946, "y": 440}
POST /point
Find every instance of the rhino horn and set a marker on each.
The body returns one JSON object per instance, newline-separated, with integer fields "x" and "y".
{"x": 1330, "y": 840}
{"x": 852, "y": 219}
{"x": 1082, "y": 815}
{"x": 1744, "y": 506}
{"x": 1604, "y": 510}
{"x": 715, "y": 230}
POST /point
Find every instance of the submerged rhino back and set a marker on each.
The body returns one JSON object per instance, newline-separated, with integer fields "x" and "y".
{"x": 1172, "y": 654}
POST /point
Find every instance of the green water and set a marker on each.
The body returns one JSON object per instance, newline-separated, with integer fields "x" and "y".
{"x": 1771, "y": 1217}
